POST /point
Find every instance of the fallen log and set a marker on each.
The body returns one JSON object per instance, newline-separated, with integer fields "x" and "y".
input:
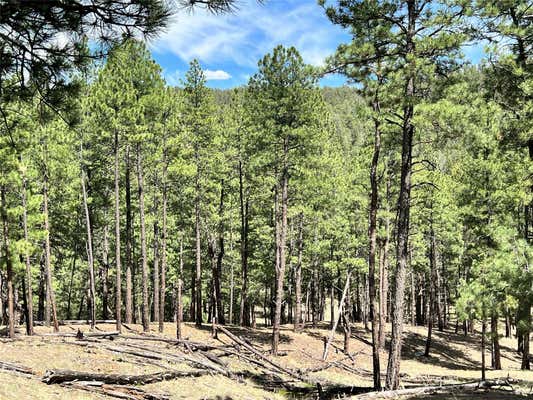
{"x": 62, "y": 376}
{"x": 119, "y": 392}
{"x": 194, "y": 345}
{"x": 257, "y": 353}
{"x": 153, "y": 354}
{"x": 441, "y": 389}
{"x": 19, "y": 369}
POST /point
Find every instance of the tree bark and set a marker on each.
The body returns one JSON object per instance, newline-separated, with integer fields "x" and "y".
{"x": 496, "y": 354}
{"x": 280, "y": 272}
{"x": 28, "y": 279}
{"x": 431, "y": 284}
{"x": 198, "y": 272}
{"x": 483, "y": 333}
{"x": 50, "y": 296}
{"x": 339, "y": 312}
{"x": 217, "y": 272}
{"x": 298, "y": 278}
{"x": 179, "y": 314}
{"x": 244, "y": 312}
{"x": 393, "y": 367}
{"x": 9, "y": 266}
{"x": 104, "y": 271}
{"x": 61, "y": 376}
{"x": 162, "y": 295}
{"x": 145, "y": 304}
{"x": 372, "y": 236}
{"x": 118, "y": 282}
{"x": 383, "y": 290}
{"x": 155, "y": 272}
{"x": 129, "y": 259}
{"x": 231, "y": 279}
{"x": 90, "y": 254}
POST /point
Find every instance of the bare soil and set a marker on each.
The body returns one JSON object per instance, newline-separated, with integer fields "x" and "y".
{"x": 454, "y": 359}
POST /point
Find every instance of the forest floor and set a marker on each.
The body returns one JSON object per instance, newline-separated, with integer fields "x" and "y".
{"x": 455, "y": 359}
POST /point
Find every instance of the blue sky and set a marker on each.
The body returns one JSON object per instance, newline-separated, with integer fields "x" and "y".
{"x": 229, "y": 46}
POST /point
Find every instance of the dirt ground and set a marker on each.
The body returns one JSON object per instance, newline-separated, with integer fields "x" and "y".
{"x": 455, "y": 358}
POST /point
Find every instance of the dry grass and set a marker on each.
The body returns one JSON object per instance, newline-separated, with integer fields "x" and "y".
{"x": 454, "y": 358}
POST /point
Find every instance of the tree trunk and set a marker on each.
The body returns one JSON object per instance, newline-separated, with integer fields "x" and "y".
{"x": 105, "y": 272}
{"x": 145, "y": 304}
{"x": 9, "y": 267}
{"x": 118, "y": 282}
{"x": 198, "y": 272}
{"x": 244, "y": 312}
{"x": 496, "y": 354}
{"x": 155, "y": 272}
{"x": 431, "y": 284}
{"x": 90, "y": 254}
{"x": 393, "y": 367}
{"x": 483, "y": 333}
{"x": 163, "y": 282}
{"x": 372, "y": 235}
{"x": 298, "y": 278}
{"x": 231, "y": 279}
{"x": 217, "y": 273}
{"x": 383, "y": 291}
{"x": 339, "y": 312}
{"x": 280, "y": 272}
{"x": 332, "y": 305}
{"x": 346, "y": 324}
{"x": 28, "y": 279}
{"x": 129, "y": 259}
{"x": 179, "y": 314}
{"x": 42, "y": 288}
{"x": 50, "y": 296}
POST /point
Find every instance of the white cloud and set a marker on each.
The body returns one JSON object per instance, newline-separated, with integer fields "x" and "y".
{"x": 242, "y": 38}
{"x": 217, "y": 75}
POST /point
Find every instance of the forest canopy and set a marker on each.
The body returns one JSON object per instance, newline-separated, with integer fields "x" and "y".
{"x": 404, "y": 195}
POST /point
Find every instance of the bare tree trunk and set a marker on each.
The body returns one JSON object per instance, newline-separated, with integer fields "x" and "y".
{"x": 118, "y": 282}
{"x": 244, "y": 316}
{"x": 393, "y": 367}
{"x": 218, "y": 256}
{"x": 346, "y": 323}
{"x": 156, "y": 287}
{"x": 339, "y": 312}
{"x": 198, "y": 272}
{"x": 483, "y": 333}
{"x": 179, "y": 316}
{"x": 50, "y": 297}
{"x": 383, "y": 290}
{"x": 431, "y": 284}
{"x": 496, "y": 354}
{"x": 42, "y": 288}
{"x": 145, "y": 304}
{"x": 298, "y": 277}
{"x": 105, "y": 272}
{"x": 280, "y": 272}
{"x": 9, "y": 267}
{"x": 162, "y": 295}
{"x": 90, "y": 258}
{"x": 332, "y": 305}
{"x": 231, "y": 279}
{"x": 129, "y": 259}
{"x": 28, "y": 280}
{"x": 372, "y": 236}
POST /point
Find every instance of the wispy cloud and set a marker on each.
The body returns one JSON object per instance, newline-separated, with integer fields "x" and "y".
{"x": 243, "y": 37}
{"x": 217, "y": 75}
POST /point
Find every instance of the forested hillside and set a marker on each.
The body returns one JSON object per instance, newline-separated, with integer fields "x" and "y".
{"x": 401, "y": 198}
